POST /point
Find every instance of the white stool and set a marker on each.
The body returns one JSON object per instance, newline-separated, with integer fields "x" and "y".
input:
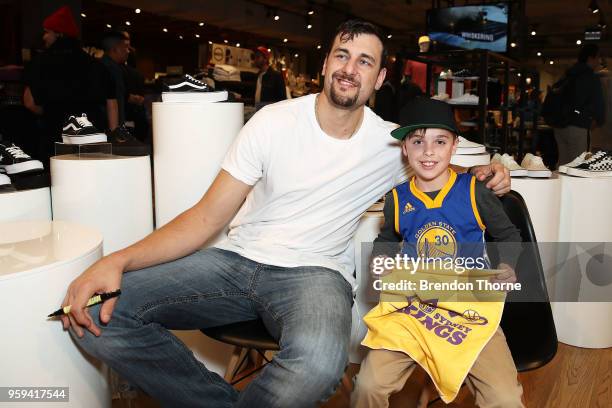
{"x": 106, "y": 192}
{"x": 38, "y": 259}
{"x": 26, "y": 205}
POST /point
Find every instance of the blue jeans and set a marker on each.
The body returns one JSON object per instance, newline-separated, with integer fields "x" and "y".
{"x": 308, "y": 309}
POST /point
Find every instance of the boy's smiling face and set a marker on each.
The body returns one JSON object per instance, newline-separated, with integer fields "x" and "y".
{"x": 429, "y": 153}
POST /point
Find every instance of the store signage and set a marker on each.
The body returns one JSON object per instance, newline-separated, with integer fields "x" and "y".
{"x": 592, "y": 34}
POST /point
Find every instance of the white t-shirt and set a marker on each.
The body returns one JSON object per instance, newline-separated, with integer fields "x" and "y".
{"x": 310, "y": 189}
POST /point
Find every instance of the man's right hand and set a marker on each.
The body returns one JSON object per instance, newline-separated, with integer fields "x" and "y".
{"x": 103, "y": 276}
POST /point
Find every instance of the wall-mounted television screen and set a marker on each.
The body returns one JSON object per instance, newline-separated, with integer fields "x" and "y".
{"x": 470, "y": 27}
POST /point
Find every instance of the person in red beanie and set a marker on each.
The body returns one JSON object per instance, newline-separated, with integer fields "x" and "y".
{"x": 60, "y": 23}
{"x": 270, "y": 83}
{"x": 63, "y": 80}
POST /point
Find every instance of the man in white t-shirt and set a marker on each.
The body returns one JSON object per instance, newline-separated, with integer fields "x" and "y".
{"x": 299, "y": 175}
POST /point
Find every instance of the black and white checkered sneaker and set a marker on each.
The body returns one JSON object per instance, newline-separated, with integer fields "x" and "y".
{"x": 599, "y": 165}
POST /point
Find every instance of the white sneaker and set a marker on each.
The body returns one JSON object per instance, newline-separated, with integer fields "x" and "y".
{"x": 441, "y": 97}
{"x": 508, "y": 162}
{"x": 467, "y": 147}
{"x": 470, "y": 160}
{"x": 577, "y": 161}
{"x": 535, "y": 166}
{"x": 465, "y": 99}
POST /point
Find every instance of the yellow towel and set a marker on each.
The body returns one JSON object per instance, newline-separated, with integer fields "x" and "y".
{"x": 443, "y": 331}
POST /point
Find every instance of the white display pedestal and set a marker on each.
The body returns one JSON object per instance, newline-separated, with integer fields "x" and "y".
{"x": 190, "y": 141}
{"x": 39, "y": 260}
{"x": 585, "y": 218}
{"x": 106, "y": 192}
{"x": 26, "y": 205}
{"x": 365, "y": 297}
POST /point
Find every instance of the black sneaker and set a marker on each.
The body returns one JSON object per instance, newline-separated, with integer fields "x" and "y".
{"x": 599, "y": 165}
{"x": 189, "y": 89}
{"x": 13, "y": 160}
{"x": 125, "y": 144}
{"x": 79, "y": 130}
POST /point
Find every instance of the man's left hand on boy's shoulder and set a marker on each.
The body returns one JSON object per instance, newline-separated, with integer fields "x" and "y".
{"x": 506, "y": 276}
{"x": 499, "y": 181}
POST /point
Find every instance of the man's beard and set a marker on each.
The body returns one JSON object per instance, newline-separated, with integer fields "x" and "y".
{"x": 340, "y": 100}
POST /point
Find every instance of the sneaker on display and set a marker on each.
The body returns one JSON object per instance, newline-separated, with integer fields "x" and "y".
{"x": 5, "y": 182}
{"x": 465, "y": 99}
{"x": 470, "y": 160}
{"x": 599, "y": 165}
{"x": 441, "y": 97}
{"x": 13, "y": 160}
{"x": 467, "y": 147}
{"x": 535, "y": 166}
{"x": 79, "y": 130}
{"x": 465, "y": 74}
{"x": 125, "y": 144}
{"x": 584, "y": 156}
{"x": 189, "y": 89}
{"x": 508, "y": 162}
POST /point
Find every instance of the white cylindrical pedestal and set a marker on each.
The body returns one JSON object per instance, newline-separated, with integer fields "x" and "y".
{"x": 584, "y": 269}
{"x": 109, "y": 193}
{"x": 365, "y": 296}
{"x": 39, "y": 260}
{"x": 190, "y": 141}
{"x": 26, "y": 205}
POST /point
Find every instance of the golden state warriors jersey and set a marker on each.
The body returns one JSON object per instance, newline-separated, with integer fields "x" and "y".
{"x": 448, "y": 226}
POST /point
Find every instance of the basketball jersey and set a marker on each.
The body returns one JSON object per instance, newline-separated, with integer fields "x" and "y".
{"x": 448, "y": 226}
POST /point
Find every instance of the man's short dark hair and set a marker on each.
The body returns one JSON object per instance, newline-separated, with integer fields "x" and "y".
{"x": 588, "y": 51}
{"x": 111, "y": 39}
{"x": 355, "y": 27}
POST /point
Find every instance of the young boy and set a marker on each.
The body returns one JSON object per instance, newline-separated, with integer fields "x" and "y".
{"x": 432, "y": 215}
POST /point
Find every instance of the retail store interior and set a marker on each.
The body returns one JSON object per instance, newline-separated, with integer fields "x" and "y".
{"x": 117, "y": 116}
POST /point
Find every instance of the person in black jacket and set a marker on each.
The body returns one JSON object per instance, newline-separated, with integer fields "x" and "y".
{"x": 588, "y": 104}
{"x": 63, "y": 80}
{"x": 270, "y": 83}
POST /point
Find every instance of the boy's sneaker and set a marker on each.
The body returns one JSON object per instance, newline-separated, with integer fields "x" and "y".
{"x": 584, "y": 156}
{"x": 79, "y": 130}
{"x": 535, "y": 166}
{"x": 13, "y": 160}
{"x": 508, "y": 162}
{"x": 189, "y": 89}
{"x": 599, "y": 165}
{"x": 125, "y": 144}
{"x": 467, "y": 147}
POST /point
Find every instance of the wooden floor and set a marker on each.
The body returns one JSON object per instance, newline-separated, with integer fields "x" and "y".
{"x": 576, "y": 378}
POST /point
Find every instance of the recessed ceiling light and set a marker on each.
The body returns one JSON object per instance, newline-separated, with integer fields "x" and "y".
{"x": 180, "y": 37}
{"x": 285, "y": 40}
{"x": 269, "y": 50}
{"x": 276, "y": 17}
{"x": 201, "y": 24}
{"x": 318, "y": 47}
{"x": 578, "y": 42}
{"x": 309, "y": 26}
{"x": 225, "y": 41}
{"x": 197, "y": 35}
{"x": 165, "y": 30}
{"x": 390, "y": 35}
{"x": 109, "y": 26}
{"x": 83, "y": 15}
{"x": 296, "y": 55}
{"x": 310, "y": 12}
{"x": 127, "y": 23}
{"x": 513, "y": 45}
{"x": 519, "y": 74}
{"x": 533, "y": 32}
{"x": 237, "y": 44}
{"x": 539, "y": 54}
{"x": 137, "y": 11}
{"x": 551, "y": 62}
{"x": 210, "y": 42}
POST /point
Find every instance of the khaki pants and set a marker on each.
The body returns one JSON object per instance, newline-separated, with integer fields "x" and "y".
{"x": 492, "y": 379}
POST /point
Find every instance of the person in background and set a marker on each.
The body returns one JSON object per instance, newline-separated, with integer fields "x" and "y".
{"x": 416, "y": 71}
{"x": 116, "y": 51}
{"x": 135, "y": 113}
{"x": 63, "y": 80}
{"x": 587, "y": 99}
{"x": 270, "y": 83}
{"x": 387, "y": 104}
